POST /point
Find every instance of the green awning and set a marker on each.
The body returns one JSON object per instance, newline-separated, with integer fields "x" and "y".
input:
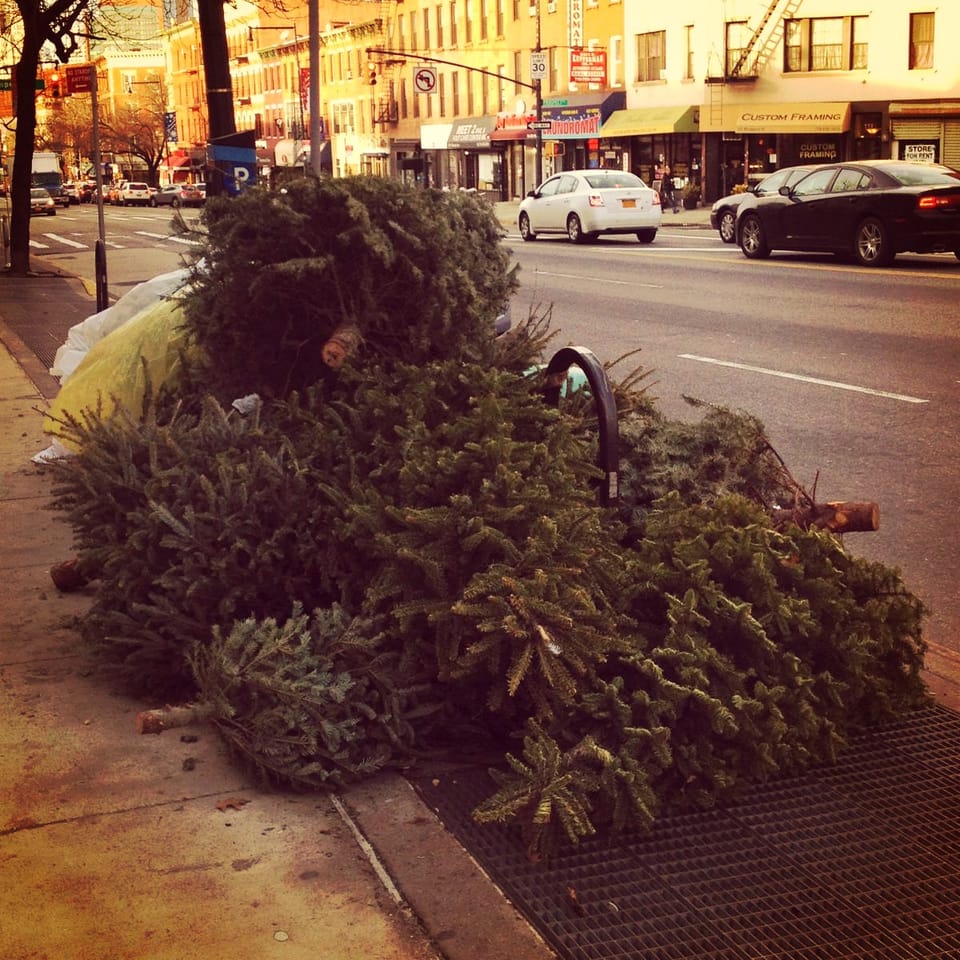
{"x": 644, "y": 121}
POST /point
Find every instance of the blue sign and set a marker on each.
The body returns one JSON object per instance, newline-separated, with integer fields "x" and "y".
{"x": 170, "y": 126}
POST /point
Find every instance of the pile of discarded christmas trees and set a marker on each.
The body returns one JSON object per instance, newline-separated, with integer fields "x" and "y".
{"x": 352, "y": 527}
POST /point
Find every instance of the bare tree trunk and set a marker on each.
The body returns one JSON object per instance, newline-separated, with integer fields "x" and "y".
{"x": 216, "y": 67}
{"x": 26, "y": 106}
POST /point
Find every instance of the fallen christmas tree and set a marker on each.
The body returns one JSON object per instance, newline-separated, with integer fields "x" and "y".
{"x": 398, "y": 552}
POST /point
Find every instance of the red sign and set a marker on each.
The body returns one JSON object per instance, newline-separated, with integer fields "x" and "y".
{"x": 588, "y": 66}
{"x": 77, "y": 78}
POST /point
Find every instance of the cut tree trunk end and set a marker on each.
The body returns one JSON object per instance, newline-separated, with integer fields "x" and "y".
{"x": 837, "y": 516}
{"x": 163, "y": 718}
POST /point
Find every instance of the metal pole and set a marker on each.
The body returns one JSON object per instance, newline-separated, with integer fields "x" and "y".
{"x": 538, "y": 84}
{"x": 313, "y": 29}
{"x": 100, "y": 250}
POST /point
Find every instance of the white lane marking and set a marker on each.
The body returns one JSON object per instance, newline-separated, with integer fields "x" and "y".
{"x": 39, "y": 245}
{"x": 69, "y": 243}
{"x": 576, "y": 276}
{"x": 166, "y": 236}
{"x": 797, "y": 376}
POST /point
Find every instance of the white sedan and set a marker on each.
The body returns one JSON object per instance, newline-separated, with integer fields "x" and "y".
{"x": 585, "y": 203}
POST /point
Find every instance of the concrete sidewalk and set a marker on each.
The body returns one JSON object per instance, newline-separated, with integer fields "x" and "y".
{"x": 137, "y": 847}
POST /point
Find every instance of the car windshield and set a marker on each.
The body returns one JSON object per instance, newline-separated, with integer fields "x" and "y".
{"x": 136, "y": 186}
{"x": 919, "y": 174}
{"x": 607, "y": 179}
{"x": 39, "y": 193}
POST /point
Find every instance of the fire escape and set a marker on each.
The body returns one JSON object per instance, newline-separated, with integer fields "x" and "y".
{"x": 755, "y": 53}
{"x": 385, "y": 71}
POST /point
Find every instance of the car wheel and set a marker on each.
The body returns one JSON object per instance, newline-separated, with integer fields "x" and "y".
{"x": 575, "y": 229}
{"x": 174, "y": 202}
{"x": 646, "y": 236}
{"x": 728, "y": 227}
{"x": 51, "y": 213}
{"x": 153, "y": 202}
{"x": 871, "y": 248}
{"x": 526, "y": 232}
{"x": 753, "y": 241}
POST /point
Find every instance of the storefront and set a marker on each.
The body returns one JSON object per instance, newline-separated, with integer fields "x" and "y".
{"x": 434, "y": 138}
{"x": 472, "y": 162}
{"x": 639, "y": 139}
{"x": 926, "y": 130}
{"x": 570, "y": 137}
{"x": 575, "y": 123}
{"x": 745, "y": 142}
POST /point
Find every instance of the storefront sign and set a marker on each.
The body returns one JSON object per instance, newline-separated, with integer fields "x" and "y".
{"x": 818, "y": 151}
{"x": 575, "y": 23}
{"x": 588, "y": 66}
{"x": 923, "y": 151}
{"x": 467, "y": 134}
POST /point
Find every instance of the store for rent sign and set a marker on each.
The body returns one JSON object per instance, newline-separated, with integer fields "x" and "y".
{"x": 922, "y": 151}
{"x": 588, "y": 66}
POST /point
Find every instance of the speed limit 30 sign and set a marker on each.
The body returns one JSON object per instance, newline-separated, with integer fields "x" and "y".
{"x": 425, "y": 79}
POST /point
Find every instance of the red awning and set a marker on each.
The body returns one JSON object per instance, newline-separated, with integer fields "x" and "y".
{"x": 509, "y": 133}
{"x": 173, "y": 162}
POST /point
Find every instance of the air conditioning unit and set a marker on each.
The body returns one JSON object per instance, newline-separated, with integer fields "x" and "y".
{"x": 552, "y": 6}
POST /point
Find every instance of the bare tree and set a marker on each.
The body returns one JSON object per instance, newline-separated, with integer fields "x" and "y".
{"x": 69, "y": 130}
{"x": 137, "y": 129}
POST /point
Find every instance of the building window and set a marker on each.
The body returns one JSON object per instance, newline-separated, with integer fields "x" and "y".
{"x": 738, "y": 36}
{"x": 453, "y": 24}
{"x": 650, "y": 55}
{"x": 501, "y": 15}
{"x": 858, "y": 43}
{"x": 921, "y": 41}
{"x": 413, "y": 30}
{"x": 484, "y": 17}
{"x": 439, "y": 27}
{"x": 468, "y": 20}
{"x": 455, "y": 93}
{"x": 442, "y": 95}
{"x": 688, "y": 52}
{"x": 426, "y": 28}
{"x": 826, "y": 43}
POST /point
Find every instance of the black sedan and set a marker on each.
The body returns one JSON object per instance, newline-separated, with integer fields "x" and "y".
{"x": 869, "y": 210}
{"x": 723, "y": 213}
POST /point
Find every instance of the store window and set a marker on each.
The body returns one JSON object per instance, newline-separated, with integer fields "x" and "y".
{"x": 921, "y": 41}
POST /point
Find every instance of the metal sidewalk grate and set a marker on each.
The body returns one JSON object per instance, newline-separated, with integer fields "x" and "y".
{"x": 859, "y": 861}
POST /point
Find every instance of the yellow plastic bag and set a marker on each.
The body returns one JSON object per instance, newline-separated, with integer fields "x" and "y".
{"x": 114, "y": 372}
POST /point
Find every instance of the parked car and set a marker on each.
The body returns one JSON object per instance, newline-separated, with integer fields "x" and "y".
{"x": 202, "y": 188}
{"x": 113, "y": 191}
{"x": 870, "y": 210}
{"x": 41, "y": 202}
{"x": 723, "y": 213}
{"x": 71, "y": 191}
{"x": 177, "y": 195}
{"x": 87, "y": 191}
{"x": 585, "y": 203}
{"x": 133, "y": 193}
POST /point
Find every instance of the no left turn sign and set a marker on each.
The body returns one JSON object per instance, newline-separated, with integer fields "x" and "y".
{"x": 425, "y": 79}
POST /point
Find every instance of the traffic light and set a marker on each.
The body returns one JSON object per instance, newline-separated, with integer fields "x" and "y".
{"x": 55, "y": 85}
{"x": 371, "y": 73}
